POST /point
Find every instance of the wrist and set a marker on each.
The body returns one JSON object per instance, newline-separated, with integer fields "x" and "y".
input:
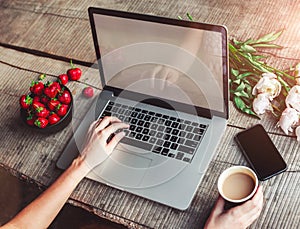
{"x": 79, "y": 168}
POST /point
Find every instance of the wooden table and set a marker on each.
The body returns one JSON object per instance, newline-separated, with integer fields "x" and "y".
{"x": 42, "y": 36}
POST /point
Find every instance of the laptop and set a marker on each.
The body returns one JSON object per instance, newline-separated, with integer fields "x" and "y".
{"x": 168, "y": 79}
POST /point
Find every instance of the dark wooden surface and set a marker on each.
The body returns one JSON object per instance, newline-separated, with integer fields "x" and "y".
{"x": 42, "y": 36}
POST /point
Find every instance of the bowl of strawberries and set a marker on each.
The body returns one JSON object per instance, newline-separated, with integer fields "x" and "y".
{"x": 47, "y": 107}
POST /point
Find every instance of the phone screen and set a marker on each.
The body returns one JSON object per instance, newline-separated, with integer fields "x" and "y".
{"x": 260, "y": 152}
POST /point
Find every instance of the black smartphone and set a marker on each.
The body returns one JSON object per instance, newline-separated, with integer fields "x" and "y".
{"x": 260, "y": 152}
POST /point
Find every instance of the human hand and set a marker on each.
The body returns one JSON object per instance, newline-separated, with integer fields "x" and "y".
{"x": 238, "y": 217}
{"x": 97, "y": 149}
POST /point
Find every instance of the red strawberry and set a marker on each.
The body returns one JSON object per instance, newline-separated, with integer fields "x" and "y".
{"x": 88, "y": 92}
{"x": 74, "y": 73}
{"x": 36, "y": 105}
{"x": 53, "y": 118}
{"x": 30, "y": 120}
{"x": 25, "y": 101}
{"x": 52, "y": 104}
{"x": 37, "y": 88}
{"x": 41, "y": 122}
{"x": 57, "y": 86}
{"x": 62, "y": 109}
{"x": 36, "y": 99}
{"x": 44, "y": 99}
{"x": 51, "y": 91}
{"x": 63, "y": 79}
{"x": 64, "y": 97}
{"x": 42, "y": 112}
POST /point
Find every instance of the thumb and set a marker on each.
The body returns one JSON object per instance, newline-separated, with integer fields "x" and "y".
{"x": 219, "y": 206}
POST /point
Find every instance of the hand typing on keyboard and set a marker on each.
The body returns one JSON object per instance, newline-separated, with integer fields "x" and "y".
{"x": 97, "y": 147}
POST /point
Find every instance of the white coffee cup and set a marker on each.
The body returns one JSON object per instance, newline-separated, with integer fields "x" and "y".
{"x": 237, "y": 184}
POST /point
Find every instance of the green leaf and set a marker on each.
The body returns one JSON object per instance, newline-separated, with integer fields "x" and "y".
{"x": 240, "y": 104}
{"x": 247, "y": 48}
{"x": 189, "y": 17}
{"x": 179, "y": 17}
{"x": 263, "y": 45}
{"x": 241, "y": 94}
{"x": 269, "y": 37}
{"x": 241, "y": 76}
{"x": 250, "y": 112}
{"x": 238, "y": 81}
{"x": 241, "y": 87}
{"x": 234, "y": 72}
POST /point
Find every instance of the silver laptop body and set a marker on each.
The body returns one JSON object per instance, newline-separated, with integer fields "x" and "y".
{"x": 168, "y": 79}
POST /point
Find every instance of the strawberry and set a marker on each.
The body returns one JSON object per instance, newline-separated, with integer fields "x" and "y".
{"x": 51, "y": 91}
{"x": 52, "y": 104}
{"x": 37, "y": 88}
{"x": 88, "y": 92}
{"x": 62, "y": 109}
{"x": 57, "y": 86}
{"x": 36, "y": 99}
{"x": 25, "y": 101}
{"x": 63, "y": 79}
{"x": 36, "y": 105}
{"x": 42, "y": 112}
{"x": 44, "y": 99}
{"x": 53, "y": 118}
{"x": 64, "y": 97}
{"x": 41, "y": 122}
{"x": 74, "y": 73}
{"x": 30, "y": 120}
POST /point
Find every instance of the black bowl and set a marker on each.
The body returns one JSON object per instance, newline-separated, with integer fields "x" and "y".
{"x": 49, "y": 129}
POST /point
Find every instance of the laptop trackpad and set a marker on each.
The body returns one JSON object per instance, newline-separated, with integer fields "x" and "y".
{"x": 123, "y": 169}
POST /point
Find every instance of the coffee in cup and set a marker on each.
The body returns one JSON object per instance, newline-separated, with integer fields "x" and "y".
{"x": 237, "y": 184}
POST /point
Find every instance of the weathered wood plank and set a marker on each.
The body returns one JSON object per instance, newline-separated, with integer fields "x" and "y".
{"x": 62, "y": 28}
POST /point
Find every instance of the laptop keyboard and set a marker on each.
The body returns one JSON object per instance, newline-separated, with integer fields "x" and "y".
{"x": 161, "y": 134}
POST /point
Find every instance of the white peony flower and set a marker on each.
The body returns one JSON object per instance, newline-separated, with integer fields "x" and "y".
{"x": 268, "y": 84}
{"x": 261, "y": 103}
{"x": 293, "y": 98}
{"x": 297, "y": 131}
{"x": 288, "y": 119}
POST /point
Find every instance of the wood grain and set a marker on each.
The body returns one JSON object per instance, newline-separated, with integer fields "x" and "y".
{"x": 61, "y": 30}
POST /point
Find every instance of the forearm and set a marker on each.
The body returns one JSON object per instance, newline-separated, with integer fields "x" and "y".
{"x": 41, "y": 212}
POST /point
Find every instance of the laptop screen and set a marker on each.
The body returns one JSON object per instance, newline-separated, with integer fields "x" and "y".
{"x": 174, "y": 60}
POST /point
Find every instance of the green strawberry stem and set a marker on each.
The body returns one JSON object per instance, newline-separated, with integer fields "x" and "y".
{"x": 72, "y": 65}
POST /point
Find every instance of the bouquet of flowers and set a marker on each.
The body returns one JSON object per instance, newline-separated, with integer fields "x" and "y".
{"x": 256, "y": 87}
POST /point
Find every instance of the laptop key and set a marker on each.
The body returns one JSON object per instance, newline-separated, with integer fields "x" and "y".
{"x": 157, "y": 149}
{"x": 145, "y": 138}
{"x": 197, "y": 138}
{"x": 138, "y": 136}
{"x": 179, "y": 155}
{"x": 186, "y": 159}
{"x": 174, "y": 146}
{"x": 203, "y": 126}
{"x": 172, "y": 155}
{"x": 191, "y": 143}
{"x": 165, "y": 151}
{"x": 152, "y": 140}
{"x": 139, "y": 144}
{"x": 186, "y": 149}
